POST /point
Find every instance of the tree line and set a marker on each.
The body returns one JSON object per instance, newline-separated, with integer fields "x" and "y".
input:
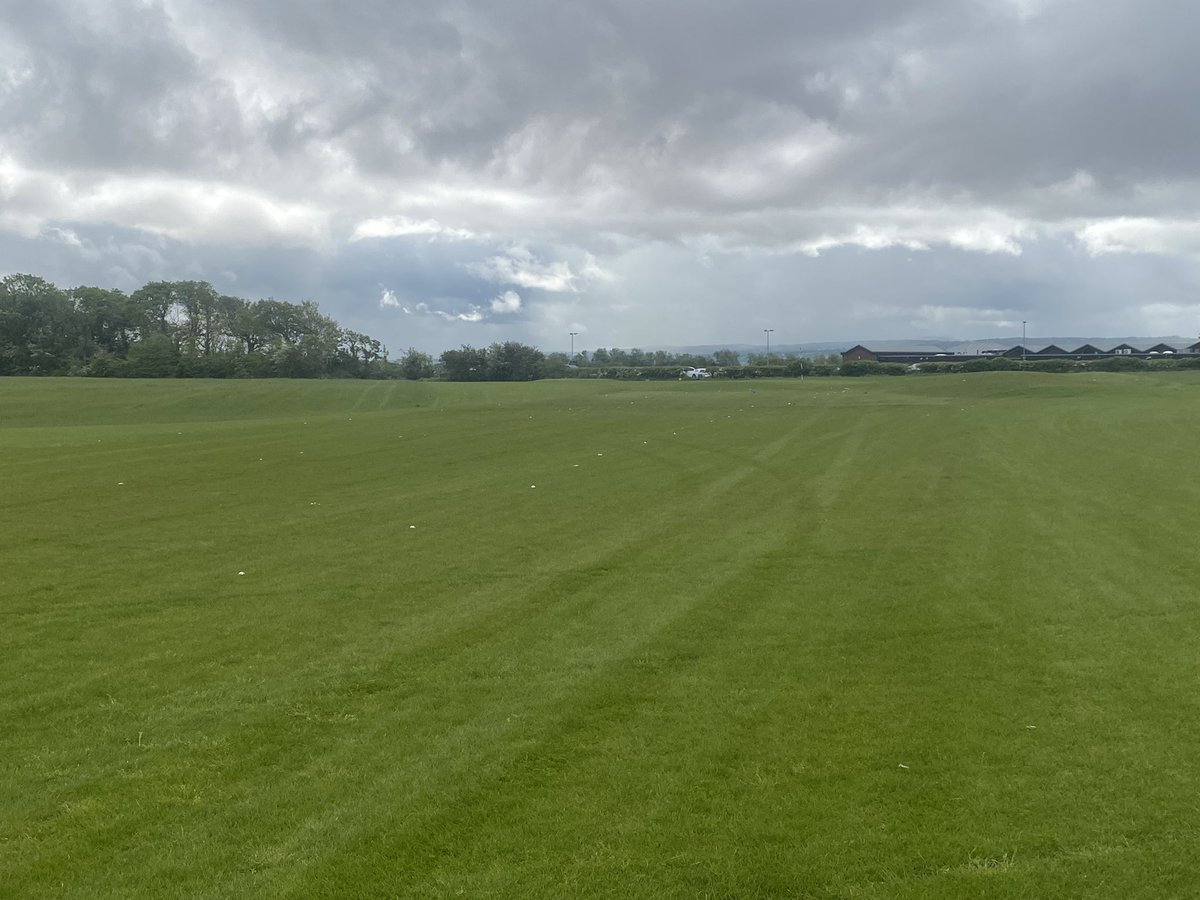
{"x": 186, "y": 329}
{"x": 172, "y": 329}
{"x": 189, "y": 329}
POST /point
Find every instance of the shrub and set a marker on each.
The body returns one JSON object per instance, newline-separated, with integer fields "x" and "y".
{"x": 1052, "y": 365}
{"x": 860, "y": 367}
{"x": 1119, "y": 364}
{"x": 750, "y": 371}
{"x": 155, "y": 356}
{"x": 820, "y": 370}
{"x": 104, "y": 365}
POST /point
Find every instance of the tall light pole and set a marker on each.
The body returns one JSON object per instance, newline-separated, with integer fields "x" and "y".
{"x": 573, "y": 333}
{"x": 1022, "y": 340}
{"x": 767, "y": 332}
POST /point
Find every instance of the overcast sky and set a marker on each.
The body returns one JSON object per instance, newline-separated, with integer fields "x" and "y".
{"x": 643, "y": 172}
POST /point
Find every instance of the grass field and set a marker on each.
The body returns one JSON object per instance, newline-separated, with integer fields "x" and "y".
{"x": 886, "y": 638}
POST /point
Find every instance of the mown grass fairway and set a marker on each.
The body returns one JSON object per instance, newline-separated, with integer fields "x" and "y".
{"x": 909, "y": 637}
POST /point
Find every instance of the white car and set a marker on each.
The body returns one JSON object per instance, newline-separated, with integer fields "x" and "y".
{"x": 693, "y": 372}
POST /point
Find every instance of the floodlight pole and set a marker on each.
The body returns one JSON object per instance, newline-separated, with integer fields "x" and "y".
{"x": 573, "y": 333}
{"x": 767, "y": 332}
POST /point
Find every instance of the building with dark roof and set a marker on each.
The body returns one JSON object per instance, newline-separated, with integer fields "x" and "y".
{"x": 990, "y": 350}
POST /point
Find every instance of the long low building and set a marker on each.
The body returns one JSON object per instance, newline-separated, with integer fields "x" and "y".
{"x": 919, "y": 354}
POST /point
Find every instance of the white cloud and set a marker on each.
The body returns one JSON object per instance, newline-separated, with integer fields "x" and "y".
{"x": 402, "y": 226}
{"x": 185, "y": 209}
{"x": 520, "y": 267}
{"x": 387, "y": 300}
{"x": 593, "y": 271}
{"x": 867, "y": 237}
{"x": 507, "y": 303}
{"x": 920, "y": 228}
{"x": 191, "y": 210}
{"x": 472, "y": 314}
{"x": 1141, "y": 235}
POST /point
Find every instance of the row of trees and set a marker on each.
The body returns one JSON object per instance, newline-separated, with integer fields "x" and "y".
{"x": 188, "y": 329}
{"x": 605, "y": 357}
{"x": 512, "y": 361}
{"x": 172, "y": 328}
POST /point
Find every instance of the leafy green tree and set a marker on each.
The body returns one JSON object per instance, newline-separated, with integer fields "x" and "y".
{"x": 244, "y": 323}
{"x": 38, "y": 329}
{"x": 181, "y": 328}
{"x": 415, "y": 365}
{"x": 513, "y": 361}
{"x": 305, "y": 341}
{"x": 310, "y": 357}
{"x": 762, "y": 359}
{"x": 106, "y": 321}
{"x": 199, "y": 306}
{"x": 726, "y": 358}
{"x": 555, "y": 365}
{"x": 155, "y": 356}
{"x": 357, "y": 353}
{"x": 152, "y": 306}
{"x": 282, "y": 323}
{"x": 104, "y": 365}
{"x": 464, "y": 364}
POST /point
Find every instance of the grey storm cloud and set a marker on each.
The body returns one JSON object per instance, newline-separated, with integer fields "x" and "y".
{"x": 619, "y": 166}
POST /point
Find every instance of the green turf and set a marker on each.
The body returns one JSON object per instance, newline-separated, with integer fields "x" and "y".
{"x": 902, "y": 637}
